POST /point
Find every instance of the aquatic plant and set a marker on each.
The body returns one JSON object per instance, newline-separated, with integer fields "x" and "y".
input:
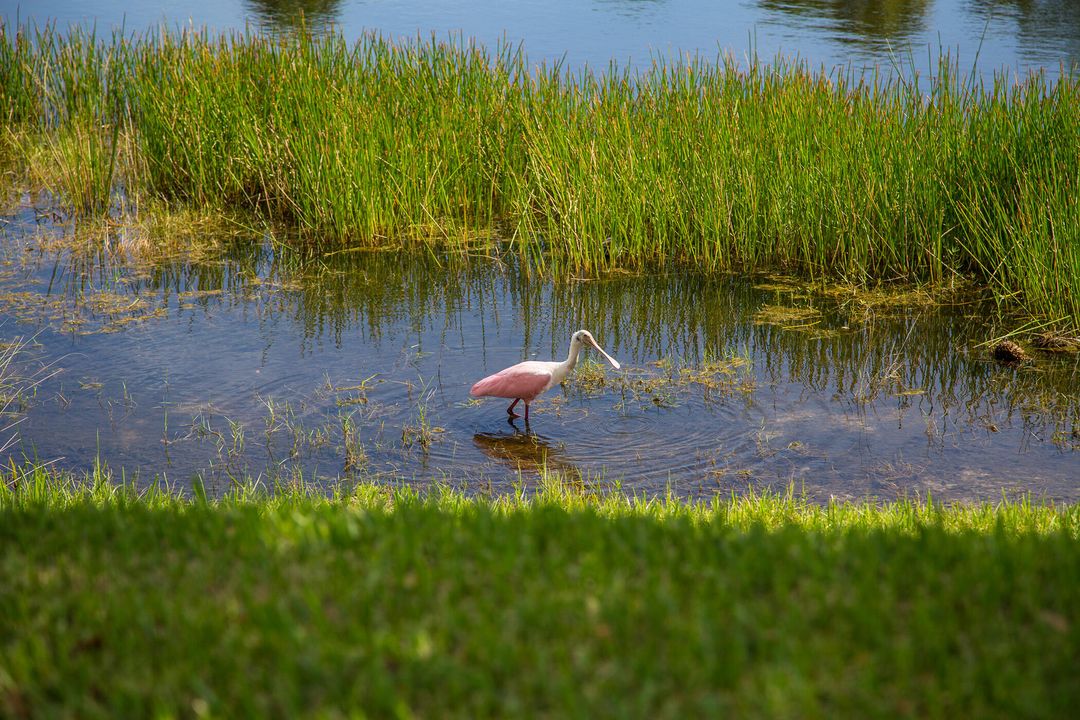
{"x": 705, "y": 163}
{"x": 20, "y": 377}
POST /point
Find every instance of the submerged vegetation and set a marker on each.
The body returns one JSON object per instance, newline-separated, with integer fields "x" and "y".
{"x": 705, "y": 163}
{"x": 704, "y": 353}
{"x": 379, "y": 600}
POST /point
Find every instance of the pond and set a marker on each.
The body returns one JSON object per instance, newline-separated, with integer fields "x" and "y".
{"x": 1018, "y": 35}
{"x": 223, "y": 353}
{"x": 220, "y": 352}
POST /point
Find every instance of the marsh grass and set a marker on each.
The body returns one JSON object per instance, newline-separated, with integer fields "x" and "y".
{"x": 665, "y": 383}
{"x": 108, "y": 263}
{"x": 379, "y": 599}
{"x": 704, "y": 163}
{"x": 419, "y": 432}
{"x": 20, "y": 376}
{"x": 77, "y": 163}
{"x": 63, "y": 104}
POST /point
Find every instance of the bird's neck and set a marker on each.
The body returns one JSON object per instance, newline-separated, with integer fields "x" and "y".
{"x": 571, "y": 359}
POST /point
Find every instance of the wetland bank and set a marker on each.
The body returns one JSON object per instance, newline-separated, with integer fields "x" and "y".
{"x": 246, "y": 282}
{"x": 245, "y": 257}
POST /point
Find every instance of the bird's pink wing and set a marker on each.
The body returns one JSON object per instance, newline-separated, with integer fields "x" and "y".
{"x": 513, "y": 382}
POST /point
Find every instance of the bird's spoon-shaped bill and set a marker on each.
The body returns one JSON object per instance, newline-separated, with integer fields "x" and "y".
{"x": 614, "y": 363}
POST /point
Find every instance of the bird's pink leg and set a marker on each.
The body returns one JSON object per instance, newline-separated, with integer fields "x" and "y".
{"x": 526, "y": 412}
{"x": 510, "y": 410}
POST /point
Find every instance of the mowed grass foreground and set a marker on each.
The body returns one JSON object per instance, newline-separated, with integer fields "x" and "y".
{"x": 384, "y": 602}
{"x": 711, "y": 164}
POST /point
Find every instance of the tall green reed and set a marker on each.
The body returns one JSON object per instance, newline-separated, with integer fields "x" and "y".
{"x": 64, "y": 103}
{"x": 710, "y": 163}
{"x": 368, "y": 141}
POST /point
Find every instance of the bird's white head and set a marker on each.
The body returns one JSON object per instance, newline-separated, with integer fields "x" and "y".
{"x": 584, "y": 337}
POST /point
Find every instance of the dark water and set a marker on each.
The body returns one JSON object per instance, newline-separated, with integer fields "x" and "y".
{"x": 258, "y": 359}
{"x": 1018, "y": 35}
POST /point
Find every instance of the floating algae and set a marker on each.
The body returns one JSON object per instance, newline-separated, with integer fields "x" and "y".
{"x": 789, "y": 318}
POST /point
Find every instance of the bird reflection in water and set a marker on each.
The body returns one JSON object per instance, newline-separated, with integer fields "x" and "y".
{"x": 524, "y": 452}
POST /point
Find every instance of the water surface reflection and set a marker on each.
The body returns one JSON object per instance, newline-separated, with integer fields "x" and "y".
{"x": 1038, "y": 23}
{"x": 876, "y": 23}
{"x": 523, "y": 451}
{"x": 1018, "y": 35}
{"x": 247, "y": 356}
{"x": 289, "y": 15}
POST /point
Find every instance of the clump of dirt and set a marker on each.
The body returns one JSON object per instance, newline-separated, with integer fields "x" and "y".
{"x": 1010, "y": 353}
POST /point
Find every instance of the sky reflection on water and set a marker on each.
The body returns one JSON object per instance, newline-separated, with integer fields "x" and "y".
{"x": 261, "y": 360}
{"x": 1019, "y": 35}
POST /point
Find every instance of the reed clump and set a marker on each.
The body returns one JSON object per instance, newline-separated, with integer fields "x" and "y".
{"x": 707, "y": 163}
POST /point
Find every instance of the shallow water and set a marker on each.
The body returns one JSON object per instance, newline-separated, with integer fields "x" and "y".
{"x": 1018, "y": 35}
{"x": 258, "y": 359}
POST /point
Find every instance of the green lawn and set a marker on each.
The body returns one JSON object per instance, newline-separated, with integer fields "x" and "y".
{"x": 382, "y": 602}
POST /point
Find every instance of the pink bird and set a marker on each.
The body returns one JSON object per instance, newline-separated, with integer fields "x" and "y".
{"x": 527, "y": 380}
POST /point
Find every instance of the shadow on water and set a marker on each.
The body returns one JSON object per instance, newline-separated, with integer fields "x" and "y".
{"x": 222, "y": 354}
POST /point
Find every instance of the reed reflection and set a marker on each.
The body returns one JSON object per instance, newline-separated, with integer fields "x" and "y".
{"x": 1043, "y": 27}
{"x": 865, "y": 22}
{"x": 291, "y": 15}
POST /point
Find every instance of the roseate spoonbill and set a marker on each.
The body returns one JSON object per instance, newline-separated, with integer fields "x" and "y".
{"x": 527, "y": 380}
